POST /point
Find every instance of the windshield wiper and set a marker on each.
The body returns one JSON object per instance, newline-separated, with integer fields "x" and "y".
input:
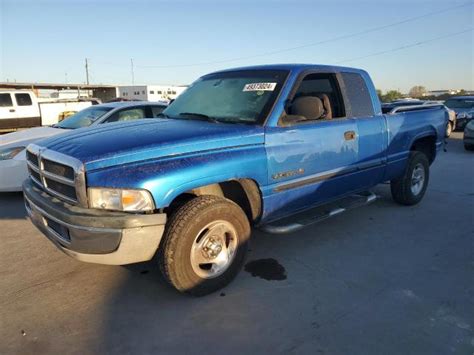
{"x": 162, "y": 115}
{"x": 200, "y": 115}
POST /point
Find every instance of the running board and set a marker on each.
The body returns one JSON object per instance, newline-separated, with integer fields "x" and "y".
{"x": 319, "y": 214}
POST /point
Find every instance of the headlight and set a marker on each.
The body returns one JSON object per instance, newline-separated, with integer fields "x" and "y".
{"x": 470, "y": 125}
{"x": 120, "y": 200}
{"x": 10, "y": 153}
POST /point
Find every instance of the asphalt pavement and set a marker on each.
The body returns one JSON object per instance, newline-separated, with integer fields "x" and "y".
{"x": 381, "y": 279}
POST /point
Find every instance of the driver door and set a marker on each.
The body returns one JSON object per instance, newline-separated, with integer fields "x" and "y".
{"x": 311, "y": 162}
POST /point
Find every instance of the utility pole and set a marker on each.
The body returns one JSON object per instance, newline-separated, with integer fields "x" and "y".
{"x": 133, "y": 74}
{"x": 87, "y": 72}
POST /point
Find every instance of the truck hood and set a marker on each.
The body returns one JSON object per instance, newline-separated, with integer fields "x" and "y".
{"x": 26, "y": 136}
{"x": 122, "y": 143}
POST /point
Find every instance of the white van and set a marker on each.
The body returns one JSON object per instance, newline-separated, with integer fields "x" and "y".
{"x": 21, "y": 109}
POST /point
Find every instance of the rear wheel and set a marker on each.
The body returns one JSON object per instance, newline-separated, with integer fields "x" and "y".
{"x": 204, "y": 245}
{"x": 410, "y": 188}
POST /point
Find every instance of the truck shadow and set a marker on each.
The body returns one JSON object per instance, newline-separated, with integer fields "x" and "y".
{"x": 11, "y": 205}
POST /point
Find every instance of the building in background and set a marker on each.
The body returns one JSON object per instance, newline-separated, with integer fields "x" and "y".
{"x": 150, "y": 92}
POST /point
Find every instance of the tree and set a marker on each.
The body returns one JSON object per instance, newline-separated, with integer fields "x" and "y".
{"x": 417, "y": 91}
{"x": 392, "y": 95}
{"x": 379, "y": 94}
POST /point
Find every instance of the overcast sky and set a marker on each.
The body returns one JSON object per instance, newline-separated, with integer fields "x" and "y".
{"x": 174, "y": 42}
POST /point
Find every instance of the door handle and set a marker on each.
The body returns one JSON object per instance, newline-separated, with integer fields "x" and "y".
{"x": 12, "y": 110}
{"x": 349, "y": 135}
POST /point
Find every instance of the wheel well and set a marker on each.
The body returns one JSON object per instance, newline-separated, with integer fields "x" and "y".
{"x": 244, "y": 192}
{"x": 426, "y": 145}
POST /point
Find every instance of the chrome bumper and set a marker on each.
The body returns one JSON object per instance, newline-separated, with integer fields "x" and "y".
{"x": 94, "y": 236}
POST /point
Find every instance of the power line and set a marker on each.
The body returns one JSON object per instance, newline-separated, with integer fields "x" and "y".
{"x": 404, "y": 46}
{"x": 337, "y": 38}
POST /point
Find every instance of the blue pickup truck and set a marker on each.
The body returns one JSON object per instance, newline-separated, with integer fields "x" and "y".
{"x": 258, "y": 146}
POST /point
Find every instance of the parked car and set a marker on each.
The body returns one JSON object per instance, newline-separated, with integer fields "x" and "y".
{"x": 469, "y": 136}
{"x": 22, "y": 109}
{"x": 464, "y": 108}
{"x": 13, "y": 169}
{"x": 396, "y": 105}
{"x": 240, "y": 147}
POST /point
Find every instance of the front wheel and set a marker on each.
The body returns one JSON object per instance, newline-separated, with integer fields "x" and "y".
{"x": 468, "y": 146}
{"x": 410, "y": 188}
{"x": 204, "y": 245}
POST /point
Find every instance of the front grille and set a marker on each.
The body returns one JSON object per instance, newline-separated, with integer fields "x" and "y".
{"x": 57, "y": 174}
{"x": 58, "y": 169}
{"x": 33, "y": 159}
{"x": 63, "y": 189}
{"x": 36, "y": 176}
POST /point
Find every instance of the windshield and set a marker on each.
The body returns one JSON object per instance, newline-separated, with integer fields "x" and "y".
{"x": 83, "y": 118}
{"x": 229, "y": 97}
{"x": 460, "y": 103}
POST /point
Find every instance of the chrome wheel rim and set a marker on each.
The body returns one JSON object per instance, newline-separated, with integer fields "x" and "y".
{"x": 214, "y": 249}
{"x": 417, "y": 179}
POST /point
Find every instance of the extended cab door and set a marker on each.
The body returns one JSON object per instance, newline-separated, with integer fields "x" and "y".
{"x": 312, "y": 161}
{"x": 365, "y": 109}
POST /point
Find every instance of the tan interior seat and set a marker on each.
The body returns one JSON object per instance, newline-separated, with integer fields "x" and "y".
{"x": 327, "y": 106}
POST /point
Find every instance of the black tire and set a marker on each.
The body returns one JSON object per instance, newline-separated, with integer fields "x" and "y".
{"x": 182, "y": 232}
{"x": 469, "y": 147}
{"x": 401, "y": 187}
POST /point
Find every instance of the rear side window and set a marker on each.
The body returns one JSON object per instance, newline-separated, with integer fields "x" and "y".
{"x": 360, "y": 102}
{"x": 23, "y": 99}
{"x": 5, "y": 100}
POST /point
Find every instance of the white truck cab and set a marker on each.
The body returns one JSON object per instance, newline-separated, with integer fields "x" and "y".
{"x": 19, "y": 109}
{"x": 22, "y": 109}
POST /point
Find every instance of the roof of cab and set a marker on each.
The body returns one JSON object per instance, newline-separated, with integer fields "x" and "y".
{"x": 292, "y": 67}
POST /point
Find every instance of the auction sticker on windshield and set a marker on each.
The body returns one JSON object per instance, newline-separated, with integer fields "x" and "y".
{"x": 260, "y": 87}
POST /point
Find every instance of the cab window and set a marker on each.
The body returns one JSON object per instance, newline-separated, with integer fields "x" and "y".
{"x": 6, "y": 100}
{"x": 358, "y": 95}
{"x": 321, "y": 88}
{"x": 23, "y": 99}
{"x": 129, "y": 114}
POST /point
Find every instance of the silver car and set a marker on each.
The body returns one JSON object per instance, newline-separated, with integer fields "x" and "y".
{"x": 13, "y": 170}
